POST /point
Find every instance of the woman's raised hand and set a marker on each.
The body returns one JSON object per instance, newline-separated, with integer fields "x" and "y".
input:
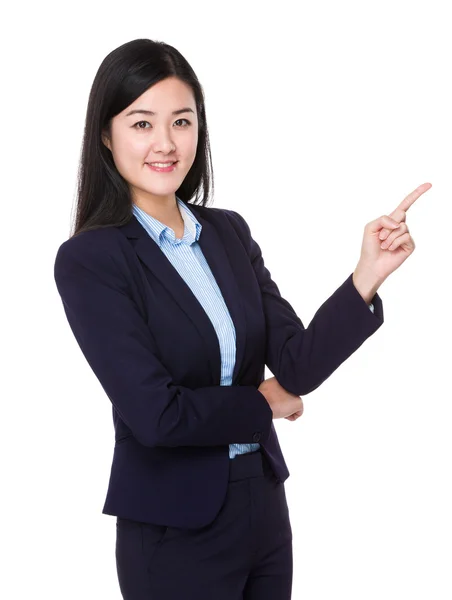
{"x": 387, "y": 242}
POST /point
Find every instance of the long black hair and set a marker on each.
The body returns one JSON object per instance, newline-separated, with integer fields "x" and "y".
{"x": 103, "y": 195}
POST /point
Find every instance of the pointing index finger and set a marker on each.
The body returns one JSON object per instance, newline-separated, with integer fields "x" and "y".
{"x": 411, "y": 198}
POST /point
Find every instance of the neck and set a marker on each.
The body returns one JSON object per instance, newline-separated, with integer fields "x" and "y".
{"x": 162, "y": 208}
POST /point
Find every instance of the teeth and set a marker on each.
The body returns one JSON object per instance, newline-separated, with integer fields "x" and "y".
{"x": 161, "y": 164}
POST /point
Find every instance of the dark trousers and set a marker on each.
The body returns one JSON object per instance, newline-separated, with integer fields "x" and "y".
{"x": 244, "y": 554}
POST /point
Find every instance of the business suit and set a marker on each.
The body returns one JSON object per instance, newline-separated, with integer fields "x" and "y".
{"x": 186, "y": 256}
{"x": 129, "y": 310}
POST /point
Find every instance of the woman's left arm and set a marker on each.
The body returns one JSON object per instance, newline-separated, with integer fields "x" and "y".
{"x": 302, "y": 358}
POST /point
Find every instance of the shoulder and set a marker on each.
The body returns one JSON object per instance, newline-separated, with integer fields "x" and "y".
{"x": 237, "y": 221}
{"x": 94, "y": 250}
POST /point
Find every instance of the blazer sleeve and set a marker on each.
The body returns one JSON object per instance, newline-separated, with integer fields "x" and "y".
{"x": 301, "y": 358}
{"x": 119, "y": 346}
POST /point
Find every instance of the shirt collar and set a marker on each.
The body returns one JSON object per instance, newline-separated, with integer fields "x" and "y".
{"x": 158, "y": 230}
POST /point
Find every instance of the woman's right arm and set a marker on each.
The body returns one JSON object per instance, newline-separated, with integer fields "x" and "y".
{"x": 119, "y": 347}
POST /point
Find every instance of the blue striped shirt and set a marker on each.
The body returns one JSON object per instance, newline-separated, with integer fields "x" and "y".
{"x": 186, "y": 256}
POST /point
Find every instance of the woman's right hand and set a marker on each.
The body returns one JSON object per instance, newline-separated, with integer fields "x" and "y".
{"x": 283, "y": 403}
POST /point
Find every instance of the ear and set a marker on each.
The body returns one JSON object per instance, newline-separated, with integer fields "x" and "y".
{"x": 106, "y": 140}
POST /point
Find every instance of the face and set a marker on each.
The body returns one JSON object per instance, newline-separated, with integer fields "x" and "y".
{"x": 167, "y": 135}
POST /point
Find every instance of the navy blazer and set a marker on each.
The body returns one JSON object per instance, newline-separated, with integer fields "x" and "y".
{"x": 156, "y": 354}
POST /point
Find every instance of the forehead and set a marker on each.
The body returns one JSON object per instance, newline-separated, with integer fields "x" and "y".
{"x": 165, "y": 97}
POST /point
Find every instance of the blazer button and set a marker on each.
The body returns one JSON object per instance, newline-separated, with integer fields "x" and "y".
{"x": 257, "y": 436}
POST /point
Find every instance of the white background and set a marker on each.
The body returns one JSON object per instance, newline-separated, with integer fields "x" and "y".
{"x": 322, "y": 117}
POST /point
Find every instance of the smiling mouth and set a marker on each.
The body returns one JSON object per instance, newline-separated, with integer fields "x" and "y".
{"x": 167, "y": 168}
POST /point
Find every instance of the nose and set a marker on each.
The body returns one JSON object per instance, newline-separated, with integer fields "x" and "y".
{"x": 162, "y": 141}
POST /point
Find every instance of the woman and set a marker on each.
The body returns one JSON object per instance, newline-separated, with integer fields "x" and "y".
{"x": 177, "y": 315}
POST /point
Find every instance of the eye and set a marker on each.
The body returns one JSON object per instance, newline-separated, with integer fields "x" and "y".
{"x": 186, "y": 120}
{"x": 178, "y": 120}
{"x": 139, "y": 123}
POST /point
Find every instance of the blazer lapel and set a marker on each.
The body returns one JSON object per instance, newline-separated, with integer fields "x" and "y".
{"x": 212, "y": 246}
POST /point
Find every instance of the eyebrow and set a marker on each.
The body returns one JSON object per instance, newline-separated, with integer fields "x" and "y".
{"x": 150, "y": 113}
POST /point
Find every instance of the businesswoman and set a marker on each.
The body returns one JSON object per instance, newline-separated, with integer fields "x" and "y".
{"x": 177, "y": 315}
